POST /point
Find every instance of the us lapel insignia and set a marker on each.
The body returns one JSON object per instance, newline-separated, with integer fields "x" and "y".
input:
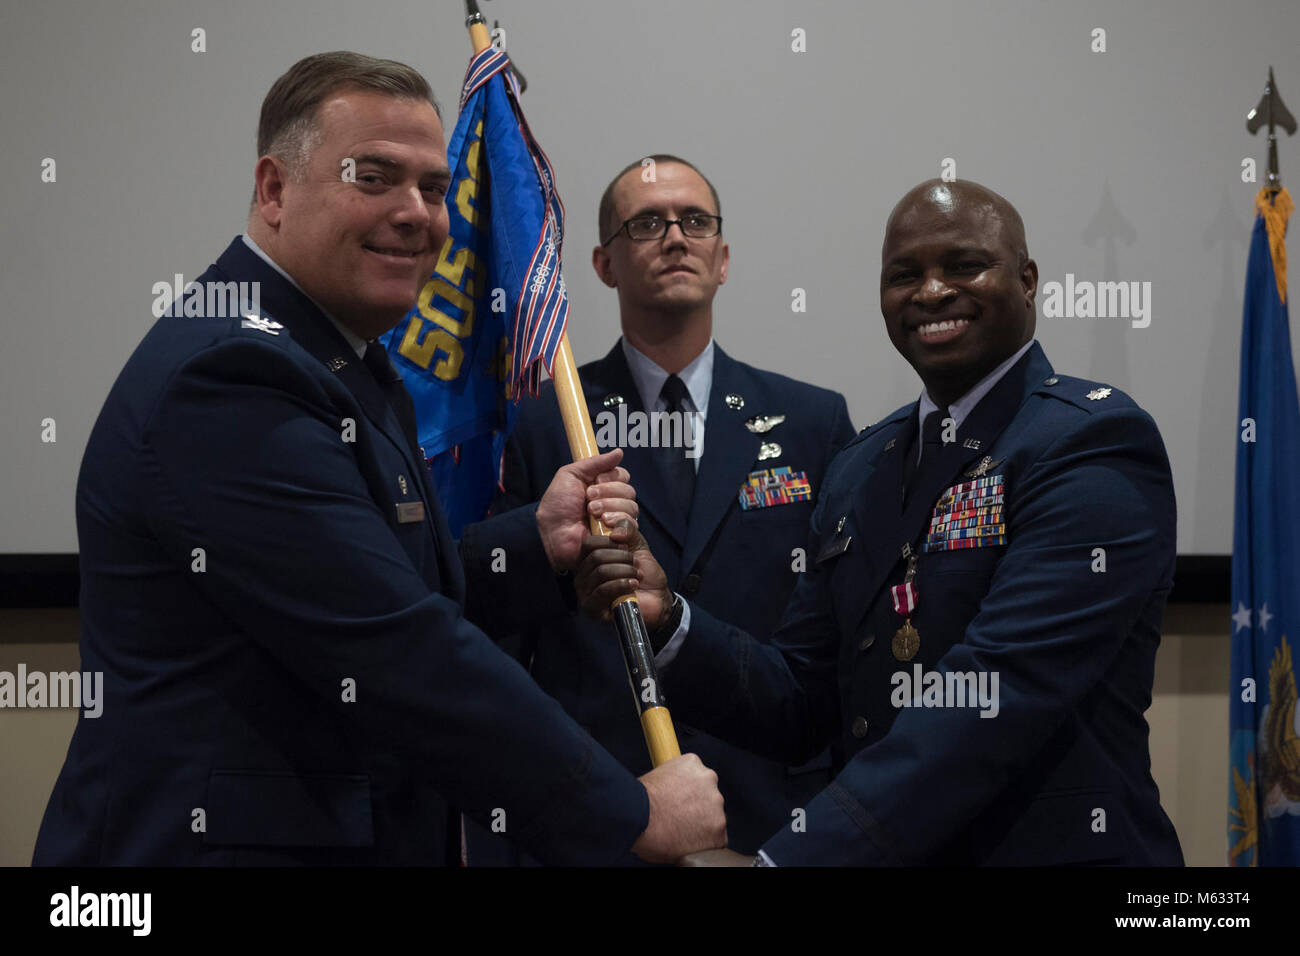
{"x": 891, "y": 443}
{"x": 986, "y": 465}
{"x": 336, "y": 363}
{"x": 401, "y": 483}
{"x": 972, "y": 443}
{"x": 734, "y": 402}
{"x": 769, "y": 449}
{"x": 1098, "y": 393}
{"x": 761, "y": 424}
{"x": 612, "y": 399}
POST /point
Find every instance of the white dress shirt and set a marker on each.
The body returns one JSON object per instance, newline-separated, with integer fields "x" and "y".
{"x": 697, "y": 377}
{"x": 959, "y": 409}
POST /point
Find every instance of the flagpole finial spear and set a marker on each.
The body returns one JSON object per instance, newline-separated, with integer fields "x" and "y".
{"x": 1270, "y": 111}
{"x": 474, "y": 18}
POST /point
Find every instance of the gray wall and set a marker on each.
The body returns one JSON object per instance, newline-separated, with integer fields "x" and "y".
{"x": 1125, "y": 165}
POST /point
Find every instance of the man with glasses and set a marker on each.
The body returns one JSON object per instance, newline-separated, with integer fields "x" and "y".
{"x": 725, "y": 492}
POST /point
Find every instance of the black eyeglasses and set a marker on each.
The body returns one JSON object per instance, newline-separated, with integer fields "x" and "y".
{"x": 696, "y": 225}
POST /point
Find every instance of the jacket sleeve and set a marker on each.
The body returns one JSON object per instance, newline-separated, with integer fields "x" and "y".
{"x": 511, "y": 586}
{"x": 245, "y": 460}
{"x": 1050, "y": 629}
{"x": 776, "y": 699}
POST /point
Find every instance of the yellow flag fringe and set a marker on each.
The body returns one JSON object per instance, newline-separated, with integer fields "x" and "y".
{"x": 1276, "y": 213}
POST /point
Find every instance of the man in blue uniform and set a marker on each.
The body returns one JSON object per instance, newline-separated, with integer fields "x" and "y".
{"x": 728, "y": 502}
{"x": 268, "y": 583}
{"x": 978, "y": 627}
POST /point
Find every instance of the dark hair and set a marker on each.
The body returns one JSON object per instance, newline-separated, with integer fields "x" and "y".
{"x": 606, "y": 221}
{"x": 287, "y": 128}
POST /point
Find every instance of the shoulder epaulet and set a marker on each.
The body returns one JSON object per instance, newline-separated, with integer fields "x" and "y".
{"x": 259, "y": 328}
{"x": 1086, "y": 394}
{"x": 893, "y": 418}
{"x": 261, "y": 323}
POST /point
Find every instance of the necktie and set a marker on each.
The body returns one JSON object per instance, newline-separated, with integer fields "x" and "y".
{"x": 919, "y": 475}
{"x": 390, "y": 380}
{"x": 679, "y": 471}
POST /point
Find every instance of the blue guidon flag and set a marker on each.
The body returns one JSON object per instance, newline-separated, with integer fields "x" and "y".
{"x": 1264, "y": 775}
{"x": 494, "y": 310}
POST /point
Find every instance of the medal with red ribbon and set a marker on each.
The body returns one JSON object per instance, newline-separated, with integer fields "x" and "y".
{"x": 907, "y": 641}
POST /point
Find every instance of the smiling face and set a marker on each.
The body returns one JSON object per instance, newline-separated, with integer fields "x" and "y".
{"x": 956, "y": 284}
{"x": 360, "y": 249}
{"x": 675, "y": 274}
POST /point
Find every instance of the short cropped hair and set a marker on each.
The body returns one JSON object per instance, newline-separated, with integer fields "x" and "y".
{"x": 607, "y": 218}
{"x": 288, "y": 127}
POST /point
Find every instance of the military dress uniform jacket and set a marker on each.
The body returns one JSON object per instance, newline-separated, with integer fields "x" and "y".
{"x": 736, "y": 562}
{"x": 276, "y": 608}
{"x": 1062, "y": 603}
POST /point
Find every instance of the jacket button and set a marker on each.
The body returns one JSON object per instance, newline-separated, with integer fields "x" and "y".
{"x": 691, "y": 586}
{"x": 859, "y": 728}
{"x": 866, "y": 642}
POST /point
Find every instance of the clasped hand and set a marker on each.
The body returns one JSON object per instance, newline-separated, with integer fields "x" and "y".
{"x": 618, "y": 564}
{"x": 594, "y": 487}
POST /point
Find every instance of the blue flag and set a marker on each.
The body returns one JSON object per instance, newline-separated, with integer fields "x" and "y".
{"x": 495, "y": 308}
{"x": 1264, "y": 789}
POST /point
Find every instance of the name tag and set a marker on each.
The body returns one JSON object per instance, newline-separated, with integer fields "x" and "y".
{"x": 835, "y": 549}
{"x": 409, "y": 512}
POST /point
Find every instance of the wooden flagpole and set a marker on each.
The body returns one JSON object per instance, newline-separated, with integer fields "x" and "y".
{"x": 638, "y": 655}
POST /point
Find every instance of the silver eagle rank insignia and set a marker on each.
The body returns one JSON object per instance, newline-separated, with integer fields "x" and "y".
{"x": 261, "y": 323}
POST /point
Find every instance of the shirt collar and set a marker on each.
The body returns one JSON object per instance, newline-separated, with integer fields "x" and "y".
{"x": 649, "y": 378}
{"x": 357, "y": 342}
{"x": 959, "y": 409}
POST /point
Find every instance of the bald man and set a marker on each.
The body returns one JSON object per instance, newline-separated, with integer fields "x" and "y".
{"x": 977, "y": 629}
